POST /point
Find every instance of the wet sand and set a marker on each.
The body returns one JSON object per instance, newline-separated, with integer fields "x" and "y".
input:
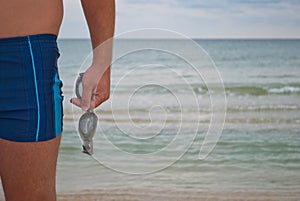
{"x": 162, "y": 195}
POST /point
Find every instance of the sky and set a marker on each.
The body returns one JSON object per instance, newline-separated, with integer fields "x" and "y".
{"x": 196, "y": 18}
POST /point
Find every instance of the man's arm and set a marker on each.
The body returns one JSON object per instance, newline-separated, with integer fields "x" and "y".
{"x": 100, "y": 17}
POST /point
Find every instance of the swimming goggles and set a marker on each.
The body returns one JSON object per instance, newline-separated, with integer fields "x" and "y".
{"x": 87, "y": 123}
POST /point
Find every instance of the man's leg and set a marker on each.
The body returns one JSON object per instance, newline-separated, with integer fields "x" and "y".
{"x": 28, "y": 169}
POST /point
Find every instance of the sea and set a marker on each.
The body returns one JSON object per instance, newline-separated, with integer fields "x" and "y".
{"x": 214, "y": 116}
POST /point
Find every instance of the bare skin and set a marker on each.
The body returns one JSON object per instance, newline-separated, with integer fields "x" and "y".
{"x": 27, "y": 17}
{"x": 28, "y": 170}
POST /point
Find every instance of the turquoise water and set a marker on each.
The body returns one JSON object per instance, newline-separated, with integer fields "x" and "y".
{"x": 157, "y": 97}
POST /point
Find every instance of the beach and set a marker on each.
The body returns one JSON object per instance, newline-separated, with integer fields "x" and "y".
{"x": 148, "y": 195}
{"x": 152, "y": 131}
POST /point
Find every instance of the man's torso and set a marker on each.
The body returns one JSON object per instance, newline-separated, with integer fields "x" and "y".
{"x": 29, "y": 17}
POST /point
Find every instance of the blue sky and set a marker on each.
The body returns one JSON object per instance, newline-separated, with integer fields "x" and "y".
{"x": 197, "y": 18}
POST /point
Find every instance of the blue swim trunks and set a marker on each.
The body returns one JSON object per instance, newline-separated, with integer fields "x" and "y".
{"x": 30, "y": 89}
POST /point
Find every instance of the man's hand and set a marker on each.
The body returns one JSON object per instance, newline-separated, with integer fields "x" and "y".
{"x": 96, "y": 89}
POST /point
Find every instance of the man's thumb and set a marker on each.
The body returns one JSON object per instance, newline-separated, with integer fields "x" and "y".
{"x": 86, "y": 98}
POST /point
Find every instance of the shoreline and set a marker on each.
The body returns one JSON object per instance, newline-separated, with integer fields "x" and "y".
{"x": 171, "y": 195}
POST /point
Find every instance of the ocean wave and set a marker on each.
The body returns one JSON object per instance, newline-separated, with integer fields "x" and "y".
{"x": 285, "y": 90}
{"x": 252, "y": 90}
{"x": 230, "y": 89}
{"x": 263, "y": 108}
{"x": 274, "y": 76}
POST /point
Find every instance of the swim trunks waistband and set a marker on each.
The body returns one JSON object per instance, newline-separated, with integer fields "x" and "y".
{"x": 40, "y": 37}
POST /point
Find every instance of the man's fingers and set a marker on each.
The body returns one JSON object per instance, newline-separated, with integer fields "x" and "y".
{"x": 86, "y": 97}
{"x": 76, "y": 101}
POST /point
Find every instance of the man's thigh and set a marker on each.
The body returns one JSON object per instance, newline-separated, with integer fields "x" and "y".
{"x": 28, "y": 169}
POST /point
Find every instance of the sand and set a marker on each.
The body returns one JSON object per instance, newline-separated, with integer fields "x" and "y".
{"x": 161, "y": 195}
{"x": 167, "y": 195}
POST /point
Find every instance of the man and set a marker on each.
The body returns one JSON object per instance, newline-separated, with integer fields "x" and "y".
{"x": 30, "y": 90}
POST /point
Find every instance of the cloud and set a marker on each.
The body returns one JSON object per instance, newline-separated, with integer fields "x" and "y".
{"x": 200, "y": 18}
